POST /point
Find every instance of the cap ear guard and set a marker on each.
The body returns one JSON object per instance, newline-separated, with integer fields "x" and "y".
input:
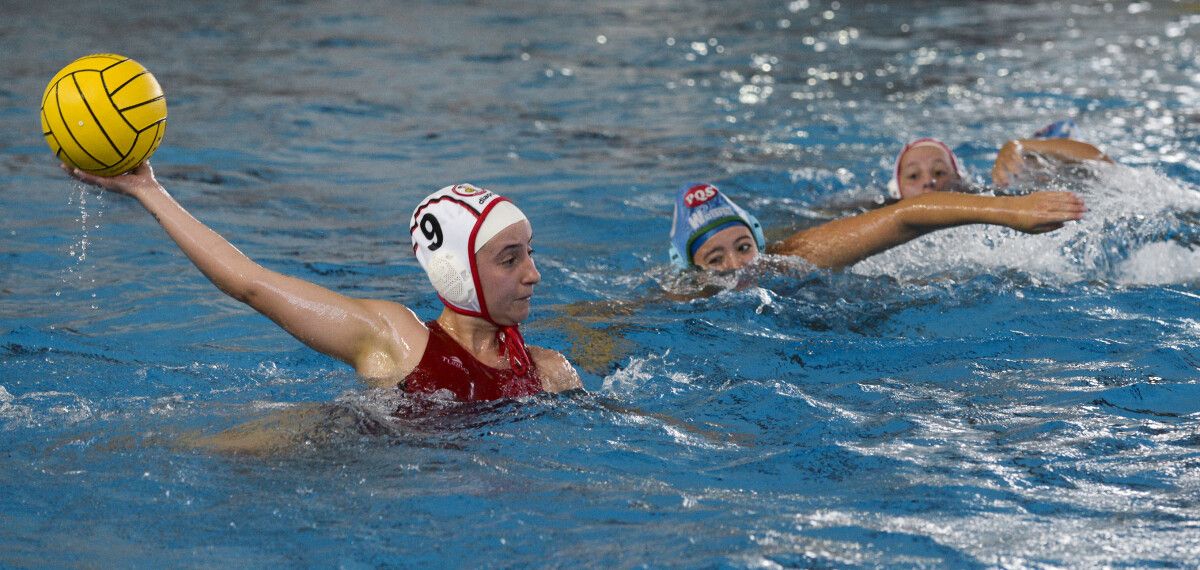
{"x": 757, "y": 231}
{"x": 677, "y": 258}
{"x": 450, "y": 277}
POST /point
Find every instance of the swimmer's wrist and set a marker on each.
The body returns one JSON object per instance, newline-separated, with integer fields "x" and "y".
{"x": 1008, "y": 214}
{"x": 145, "y": 191}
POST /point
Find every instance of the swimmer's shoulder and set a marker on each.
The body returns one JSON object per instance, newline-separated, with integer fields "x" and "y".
{"x": 397, "y": 347}
{"x": 555, "y": 371}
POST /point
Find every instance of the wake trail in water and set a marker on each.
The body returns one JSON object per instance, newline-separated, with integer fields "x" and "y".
{"x": 1140, "y": 229}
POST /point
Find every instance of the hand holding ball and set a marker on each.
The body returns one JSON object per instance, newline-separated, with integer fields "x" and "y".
{"x": 104, "y": 114}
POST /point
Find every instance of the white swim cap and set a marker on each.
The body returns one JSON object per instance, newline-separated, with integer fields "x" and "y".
{"x": 448, "y": 228}
{"x": 894, "y": 184}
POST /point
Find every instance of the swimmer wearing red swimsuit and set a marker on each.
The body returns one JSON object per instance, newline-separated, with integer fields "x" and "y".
{"x": 446, "y": 365}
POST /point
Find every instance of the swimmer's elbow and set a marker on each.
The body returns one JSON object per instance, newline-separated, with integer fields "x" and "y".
{"x": 244, "y": 292}
{"x": 251, "y": 289}
{"x": 255, "y": 293}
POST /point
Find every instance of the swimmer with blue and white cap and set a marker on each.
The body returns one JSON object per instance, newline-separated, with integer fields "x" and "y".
{"x": 706, "y": 218}
{"x": 711, "y": 233}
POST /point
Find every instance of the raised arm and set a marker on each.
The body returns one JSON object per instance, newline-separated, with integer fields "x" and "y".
{"x": 382, "y": 340}
{"x": 1011, "y": 158}
{"x": 846, "y": 241}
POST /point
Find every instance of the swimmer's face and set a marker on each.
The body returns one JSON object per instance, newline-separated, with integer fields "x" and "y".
{"x": 926, "y": 168}
{"x": 731, "y": 248}
{"x": 508, "y": 274}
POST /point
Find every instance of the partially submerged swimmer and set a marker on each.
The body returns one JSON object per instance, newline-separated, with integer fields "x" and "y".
{"x": 928, "y": 165}
{"x": 710, "y": 232}
{"x": 1056, "y": 142}
{"x": 925, "y": 165}
{"x": 475, "y": 246}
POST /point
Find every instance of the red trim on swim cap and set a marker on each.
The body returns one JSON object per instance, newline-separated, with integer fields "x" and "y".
{"x": 461, "y": 310}
{"x": 471, "y": 251}
{"x": 421, "y": 208}
{"x": 512, "y": 344}
{"x": 911, "y": 144}
{"x": 509, "y": 338}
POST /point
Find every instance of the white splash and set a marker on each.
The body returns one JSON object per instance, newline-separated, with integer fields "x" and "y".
{"x": 1117, "y": 239}
{"x": 629, "y": 379}
{"x": 1160, "y": 263}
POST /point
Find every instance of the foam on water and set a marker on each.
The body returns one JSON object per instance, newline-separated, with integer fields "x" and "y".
{"x": 1139, "y": 229}
{"x": 1160, "y": 263}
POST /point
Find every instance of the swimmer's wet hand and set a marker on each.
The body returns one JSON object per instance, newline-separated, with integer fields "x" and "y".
{"x": 130, "y": 183}
{"x": 1042, "y": 212}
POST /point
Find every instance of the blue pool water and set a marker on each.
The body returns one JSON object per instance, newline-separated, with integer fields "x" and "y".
{"x": 975, "y": 398}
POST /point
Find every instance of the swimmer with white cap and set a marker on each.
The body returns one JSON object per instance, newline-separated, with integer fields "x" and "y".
{"x": 925, "y": 165}
{"x": 710, "y": 232}
{"x": 929, "y": 165}
{"x": 475, "y": 248}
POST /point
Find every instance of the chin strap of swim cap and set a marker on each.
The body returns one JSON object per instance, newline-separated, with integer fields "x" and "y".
{"x": 700, "y": 211}
{"x": 894, "y": 184}
{"x": 512, "y": 347}
{"x": 448, "y": 228}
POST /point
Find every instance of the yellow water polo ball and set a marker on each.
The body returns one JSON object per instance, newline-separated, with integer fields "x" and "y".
{"x": 104, "y": 113}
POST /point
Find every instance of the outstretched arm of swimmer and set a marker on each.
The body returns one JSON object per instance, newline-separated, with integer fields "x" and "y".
{"x": 1010, "y": 161}
{"x": 846, "y": 241}
{"x": 379, "y": 338}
